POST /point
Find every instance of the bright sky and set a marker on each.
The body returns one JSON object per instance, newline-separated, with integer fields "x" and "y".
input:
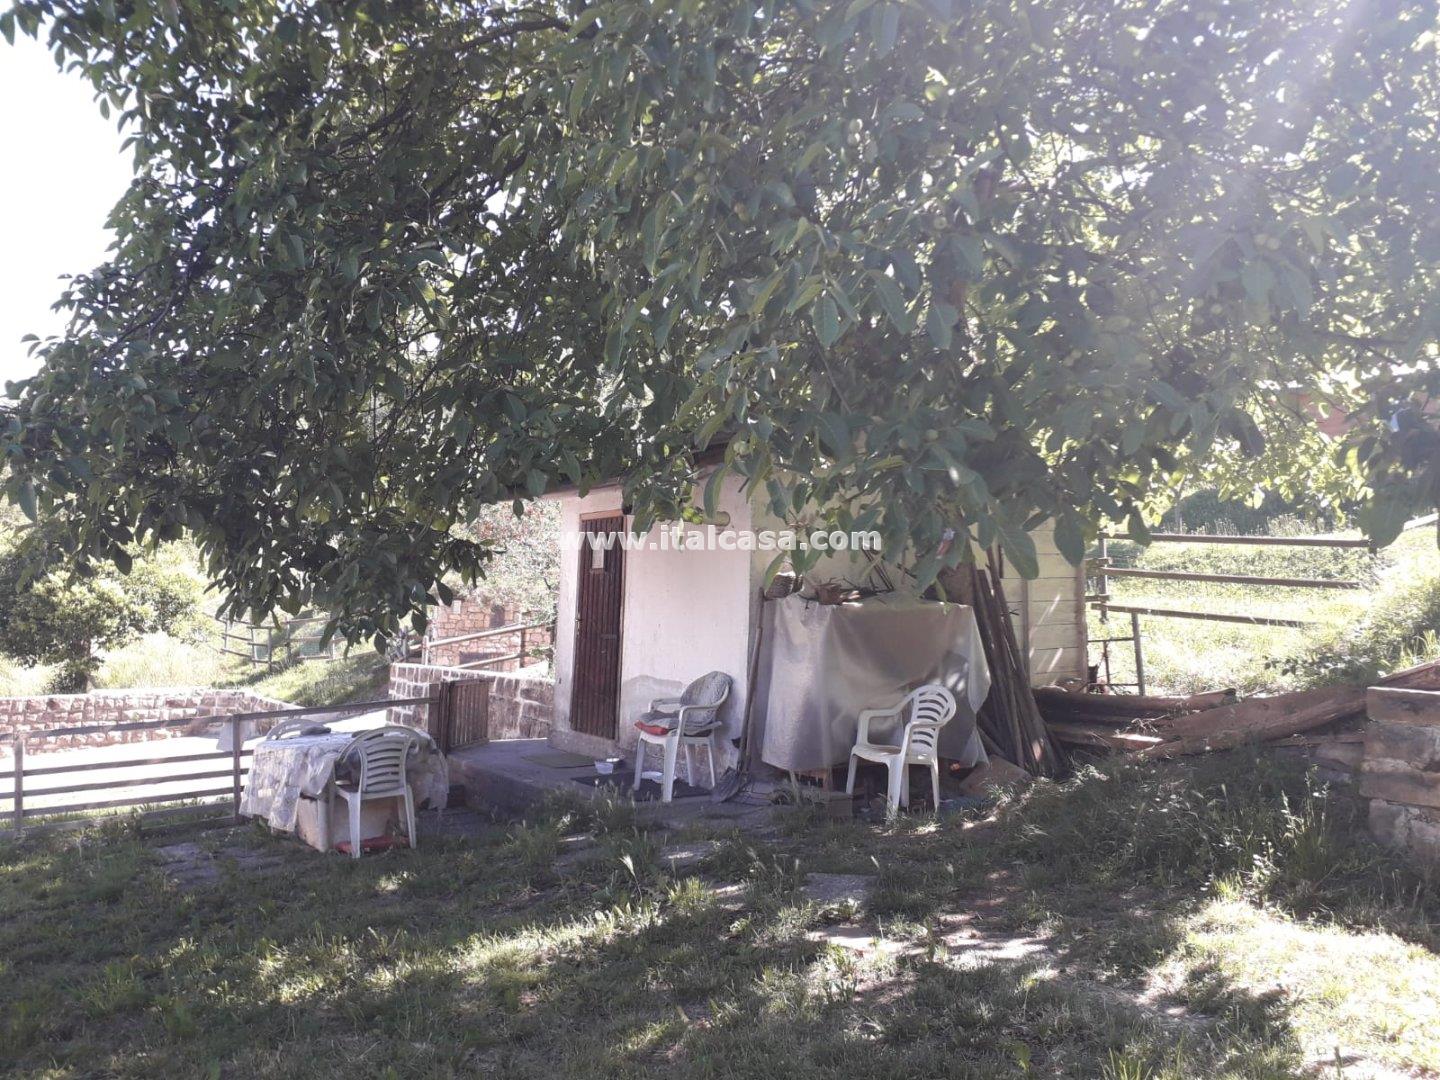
{"x": 62, "y": 173}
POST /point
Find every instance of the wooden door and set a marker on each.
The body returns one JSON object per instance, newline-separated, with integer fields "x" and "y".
{"x": 599, "y": 590}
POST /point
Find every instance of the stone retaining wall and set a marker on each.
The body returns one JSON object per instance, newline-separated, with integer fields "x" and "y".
{"x": 1400, "y": 773}
{"x": 520, "y": 705}
{"x": 29, "y": 715}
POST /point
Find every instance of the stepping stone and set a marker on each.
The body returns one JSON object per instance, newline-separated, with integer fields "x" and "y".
{"x": 684, "y": 856}
{"x": 831, "y": 889}
{"x": 730, "y": 896}
{"x": 858, "y": 939}
{"x": 188, "y": 865}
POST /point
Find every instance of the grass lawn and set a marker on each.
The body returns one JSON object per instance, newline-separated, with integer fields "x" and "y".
{"x": 1220, "y": 919}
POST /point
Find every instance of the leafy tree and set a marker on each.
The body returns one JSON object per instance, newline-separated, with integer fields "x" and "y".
{"x": 926, "y": 264}
{"x": 524, "y": 571}
{"x": 46, "y": 617}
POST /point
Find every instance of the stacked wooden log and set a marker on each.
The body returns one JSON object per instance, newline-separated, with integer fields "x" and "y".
{"x": 1322, "y": 721}
{"x": 1010, "y": 722}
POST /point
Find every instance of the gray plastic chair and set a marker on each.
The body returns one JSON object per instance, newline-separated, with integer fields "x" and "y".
{"x": 688, "y": 721}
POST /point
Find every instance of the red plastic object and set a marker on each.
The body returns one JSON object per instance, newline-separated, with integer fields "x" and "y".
{"x": 652, "y": 729}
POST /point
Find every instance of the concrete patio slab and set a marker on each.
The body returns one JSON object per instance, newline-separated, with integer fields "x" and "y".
{"x": 500, "y": 775}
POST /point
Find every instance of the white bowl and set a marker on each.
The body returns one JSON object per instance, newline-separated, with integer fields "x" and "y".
{"x": 604, "y": 768}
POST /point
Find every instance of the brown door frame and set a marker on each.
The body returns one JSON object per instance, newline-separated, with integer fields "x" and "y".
{"x": 583, "y": 716}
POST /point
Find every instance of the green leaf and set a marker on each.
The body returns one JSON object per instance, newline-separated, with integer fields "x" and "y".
{"x": 826, "y": 320}
{"x": 940, "y": 322}
{"x": 1019, "y": 548}
{"x": 1070, "y": 539}
{"x": 26, "y": 498}
{"x": 774, "y": 568}
{"x": 1139, "y": 531}
{"x": 577, "y": 95}
{"x": 893, "y": 301}
{"x": 1383, "y": 518}
{"x": 711, "y": 496}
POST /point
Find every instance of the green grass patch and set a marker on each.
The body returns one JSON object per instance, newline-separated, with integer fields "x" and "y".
{"x": 1194, "y": 921}
{"x": 361, "y": 676}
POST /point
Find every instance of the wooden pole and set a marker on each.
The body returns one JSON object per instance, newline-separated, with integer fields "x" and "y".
{"x": 19, "y": 802}
{"x": 235, "y": 763}
{"x": 1102, "y": 580}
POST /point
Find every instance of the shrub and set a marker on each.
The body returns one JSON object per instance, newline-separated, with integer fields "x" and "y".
{"x": 1400, "y": 627}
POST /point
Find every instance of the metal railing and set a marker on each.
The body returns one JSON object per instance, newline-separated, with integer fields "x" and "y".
{"x": 262, "y": 644}
{"x": 1103, "y": 571}
{"x": 20, "y": 771}
{"x": 429, "y": 645}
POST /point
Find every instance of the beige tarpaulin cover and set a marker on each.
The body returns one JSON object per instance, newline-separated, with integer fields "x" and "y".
{"x": 822, "y": 664}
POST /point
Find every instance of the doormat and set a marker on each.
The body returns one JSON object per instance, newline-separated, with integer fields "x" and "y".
{"x": 649, "y": 790}
{"x": 559, "y": 759}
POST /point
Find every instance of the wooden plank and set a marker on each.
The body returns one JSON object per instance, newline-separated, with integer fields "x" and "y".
{"x": 1424, "y": 676}
{"x": 1232, "y": 579}
{"x": 1208, "y": 616}
{"x": 1257, "y": 541}
{"x": 1354, "y": 737}
{"x": 1259, "y": 719}
{"x": 1051, "y": 635}
{"x": 1096, "y": 735}
{"x": 136, "y": 782}
{"x": 1131, "y": 705}
{"x": 1397, "y": 704}
{"x": 122, "y": 763}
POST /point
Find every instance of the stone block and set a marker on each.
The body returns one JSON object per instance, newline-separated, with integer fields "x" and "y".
{"x": 1413, "y": 829}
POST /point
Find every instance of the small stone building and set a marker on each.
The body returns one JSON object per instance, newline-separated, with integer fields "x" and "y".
{"x": 633, "y": 625}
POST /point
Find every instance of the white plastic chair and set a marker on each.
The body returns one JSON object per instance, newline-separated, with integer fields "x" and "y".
{"x": 383, "y": 754}
{"x": 931, "y": 708}
{"x": 687, "y": 721}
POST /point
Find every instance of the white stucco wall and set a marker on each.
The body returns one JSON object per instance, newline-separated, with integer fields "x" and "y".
{"x": 684, "y": 613}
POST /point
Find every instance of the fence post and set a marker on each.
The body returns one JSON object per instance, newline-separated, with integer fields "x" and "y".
{"x": 1139, "y": 653}
{"x": 441, "y": 720}
{"x": 1102, "y": 580}
{"x": 19, "y": 801}
{"x": 235, "y": 762}
{"x": 521, "y": 664}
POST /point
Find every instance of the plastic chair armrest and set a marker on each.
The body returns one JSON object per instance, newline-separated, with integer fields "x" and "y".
{"x": 862, "y": 733}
